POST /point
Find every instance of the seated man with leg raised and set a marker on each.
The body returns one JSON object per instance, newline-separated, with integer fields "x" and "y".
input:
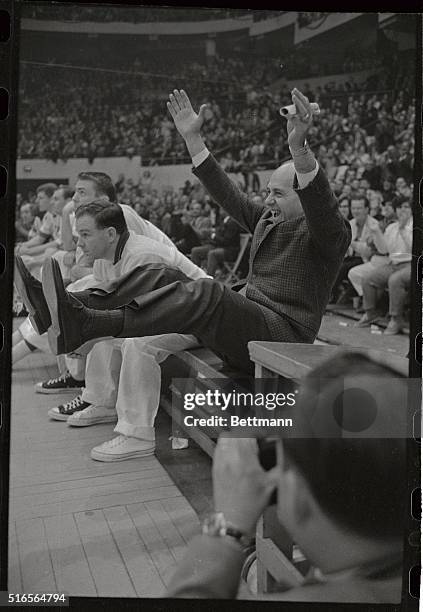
{"x": 299, "y": 241}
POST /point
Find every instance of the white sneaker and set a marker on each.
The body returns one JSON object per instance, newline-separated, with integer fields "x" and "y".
{"x": 92, "y": 415}
{"x": 121, "y": 448}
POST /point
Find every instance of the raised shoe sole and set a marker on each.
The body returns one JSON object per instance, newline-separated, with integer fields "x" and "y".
{"x": 81, "y": 422}
{"x": 53, "y": 289}
{"x": 39, "y": 389}
{"x": 19, "y": 281}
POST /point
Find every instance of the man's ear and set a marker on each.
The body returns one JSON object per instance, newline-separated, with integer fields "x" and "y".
{"x": 112, "y": 233}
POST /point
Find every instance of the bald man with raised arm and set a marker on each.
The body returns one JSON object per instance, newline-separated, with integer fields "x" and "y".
{"x": 299, "y": 241}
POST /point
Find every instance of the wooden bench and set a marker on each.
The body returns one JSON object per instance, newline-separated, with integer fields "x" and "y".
{"x": 275, "y": 549}
{"x": 199, "y": 365}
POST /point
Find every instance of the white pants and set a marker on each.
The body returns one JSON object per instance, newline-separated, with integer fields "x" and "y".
{"x": 125, "y": 373}
{"x": 357, "y": 274}
{"x": 33, "y": 337}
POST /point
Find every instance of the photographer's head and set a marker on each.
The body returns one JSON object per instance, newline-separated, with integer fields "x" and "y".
{"x": 99, "y": 225}
{"x": 343, "y": 499}
{"x": 281, "y": 196}
{"x": 92, "y": 185}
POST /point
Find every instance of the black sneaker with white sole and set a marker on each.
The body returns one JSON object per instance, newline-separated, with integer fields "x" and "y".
{"x": 62, "y": 384}
{"x": 64, "y": 411}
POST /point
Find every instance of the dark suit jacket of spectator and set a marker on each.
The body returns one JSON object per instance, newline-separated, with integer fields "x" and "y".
{"x": 374, "y": 176}
{"x": 227, "y": 236}
{"x": 293, "y": 264}
{"x": 183, "y": 235}
{"x": 202, "y": 226}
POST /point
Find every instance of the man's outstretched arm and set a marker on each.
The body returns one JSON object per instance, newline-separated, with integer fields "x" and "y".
{"x": 330, "y": 232}
{"x": 215, "y": 180}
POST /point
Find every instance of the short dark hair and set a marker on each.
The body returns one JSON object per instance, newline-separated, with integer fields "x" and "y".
{"x": 360, "y": 483}
{"x": 361, "y": 199}
{"x": 398, "y": 201}
{"x": 47, "y": 188}
{"x": 344, "y": 199}
{"x": 105, "y": 214}
{"x": 32, "y": 207}
{"x": 67, "y": 191}
{"x": 103, "y": 183}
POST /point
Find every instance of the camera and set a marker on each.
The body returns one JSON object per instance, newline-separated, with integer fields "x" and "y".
{"x": 291, "y": 111}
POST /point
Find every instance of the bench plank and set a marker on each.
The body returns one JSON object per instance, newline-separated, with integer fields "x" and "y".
{"x": 295, "y": 360}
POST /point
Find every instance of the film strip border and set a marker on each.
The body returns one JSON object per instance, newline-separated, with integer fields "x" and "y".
{"x": 8, "y": 107}
{"x": 412, "y": 539}
{"x": 9, "y": 62}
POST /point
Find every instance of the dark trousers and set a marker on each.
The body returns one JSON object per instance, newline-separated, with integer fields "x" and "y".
{"x": 161, "y": 300}
{"x": 214, "y": 255}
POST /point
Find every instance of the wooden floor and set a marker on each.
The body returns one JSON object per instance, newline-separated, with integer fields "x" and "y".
{"x": 80, "y": 526}
{"x": 338, "y": 327}
{"x": 88, "y": 528}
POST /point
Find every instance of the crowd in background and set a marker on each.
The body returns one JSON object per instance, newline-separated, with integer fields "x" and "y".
{"x": 242, "y": 118}
{"x": 363, "y": 137}
{"x": 375, "y": 163}
{"x": 127, "y": 115}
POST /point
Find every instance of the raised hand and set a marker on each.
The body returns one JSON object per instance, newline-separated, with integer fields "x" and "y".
{"x": 299, "y": 124}
{"x": 186, "y": 120}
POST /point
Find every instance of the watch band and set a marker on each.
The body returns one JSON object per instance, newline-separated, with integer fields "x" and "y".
{"x": 304, "y": 150}
{"x": 215, "y": 525}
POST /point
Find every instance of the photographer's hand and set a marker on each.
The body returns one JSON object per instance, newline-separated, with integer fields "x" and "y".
{"x": 242, "y": 488}
{"x": 187, "y": 121}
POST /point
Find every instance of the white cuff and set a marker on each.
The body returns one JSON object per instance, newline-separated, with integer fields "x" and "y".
{"x": 198, "y": 159}
{"x": 307, "y": 177}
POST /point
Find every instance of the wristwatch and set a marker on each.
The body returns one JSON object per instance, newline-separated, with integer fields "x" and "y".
{"x": 215, "y": 525}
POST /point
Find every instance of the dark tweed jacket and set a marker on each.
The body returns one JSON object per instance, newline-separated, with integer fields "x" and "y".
{"x": 293, "y": 264}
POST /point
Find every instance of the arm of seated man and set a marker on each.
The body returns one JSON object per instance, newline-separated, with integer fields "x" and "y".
{"x": 26, "y": 247}
{"x": 36, "y": 249}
